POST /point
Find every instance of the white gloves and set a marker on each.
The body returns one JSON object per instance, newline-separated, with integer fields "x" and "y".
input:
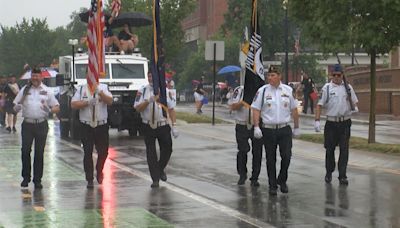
{"x": 317, "y": 126}
{"x": 17, "y": 107}
{"x": 296, "y": 132}
{"x": 175, "y": 132}
{"x": 355, "y": 110}
{"x": 93, "y": 101}
{"x": 257, "y": 133}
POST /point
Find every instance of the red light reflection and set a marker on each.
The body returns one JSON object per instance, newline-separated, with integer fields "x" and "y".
{"x": 108, "y": 188}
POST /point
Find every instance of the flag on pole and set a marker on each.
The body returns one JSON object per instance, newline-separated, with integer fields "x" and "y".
{"x": 157, "y": 67}
{"x": 95, "y": 38}
{"x": 254, "y": 77}
{"x": 115, "y": 7}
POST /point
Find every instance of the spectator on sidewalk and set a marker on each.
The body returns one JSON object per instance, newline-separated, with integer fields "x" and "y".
{"x": 308, "y": 88}
{"x": 199, "y": 94}
{"x": 338, "y": 122}
{"x": 11, "y": 91}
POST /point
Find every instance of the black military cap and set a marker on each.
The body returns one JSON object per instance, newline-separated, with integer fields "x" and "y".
{"x": 274, "y": 69}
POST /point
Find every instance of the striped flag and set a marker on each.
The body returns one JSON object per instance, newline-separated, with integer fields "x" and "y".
{"x": 95, "y": 38}
{"x": 115, "y": 7}
{"x": 254, "y": 77}
{"x": 157, "y": 57}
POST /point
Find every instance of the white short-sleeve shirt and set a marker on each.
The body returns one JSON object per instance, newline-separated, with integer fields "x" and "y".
{"x": 35, "y": 100}
{"x": 83, "y": 94}
{"x": 276, "y": 105}
{"x": 171, "y": 98}
{"x": 338, "y": 103}
{"x": 243, "y": 113}
{"x": 143, "y": 94}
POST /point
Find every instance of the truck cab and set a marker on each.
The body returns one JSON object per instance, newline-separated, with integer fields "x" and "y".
{"x": 125, "y": 74}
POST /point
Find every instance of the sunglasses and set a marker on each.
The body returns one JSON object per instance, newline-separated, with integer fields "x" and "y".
{"x": 336, "y": 75}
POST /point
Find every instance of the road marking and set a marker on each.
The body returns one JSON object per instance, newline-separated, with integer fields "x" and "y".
{"x": 222, "y": 208}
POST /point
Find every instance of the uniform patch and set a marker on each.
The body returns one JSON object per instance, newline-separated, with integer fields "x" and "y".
{"x": 286, "y": 105}
{"x": 255, "y": 97}
{"x": 138, "y": 95}
{"x": 43, "y": 92}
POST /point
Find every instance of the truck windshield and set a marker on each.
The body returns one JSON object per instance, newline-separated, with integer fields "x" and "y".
{"x": 124, "y": 71}
{"x": 81, "y": 71}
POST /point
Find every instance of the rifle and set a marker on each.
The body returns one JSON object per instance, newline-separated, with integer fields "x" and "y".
{"x": 346, "y": 86}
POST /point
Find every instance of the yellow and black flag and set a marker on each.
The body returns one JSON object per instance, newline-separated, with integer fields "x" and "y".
{"x": 254, "y": 77}
{"x": 157, "y": 67}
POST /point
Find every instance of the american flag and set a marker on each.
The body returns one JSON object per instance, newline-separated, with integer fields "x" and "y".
{"x": 254, "y": 77}
{"x": 116, "y": 7}
{"x": 157, "y": 66}
{"x": 95, "y": 38}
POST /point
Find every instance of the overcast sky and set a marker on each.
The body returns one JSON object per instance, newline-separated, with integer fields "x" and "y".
{"x": 57, "y": 12}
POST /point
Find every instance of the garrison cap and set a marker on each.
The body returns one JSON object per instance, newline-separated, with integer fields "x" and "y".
{"x": 274, "y": 69}
{"x": 337, "y": 68}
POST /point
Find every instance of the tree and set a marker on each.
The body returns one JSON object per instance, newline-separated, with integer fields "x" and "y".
{"x": 369, "y": 24}
{"x": 28, "y": 42}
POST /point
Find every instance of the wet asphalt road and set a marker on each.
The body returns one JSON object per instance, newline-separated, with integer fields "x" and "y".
{"x": 201, "y": 190}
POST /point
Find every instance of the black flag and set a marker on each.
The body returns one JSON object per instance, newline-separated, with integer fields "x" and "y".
{"x": 157, "y": 67}
{"x": 254, "y": 77}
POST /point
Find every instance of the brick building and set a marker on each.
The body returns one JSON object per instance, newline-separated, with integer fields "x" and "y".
{"x": 205, "y": 21}
{"x": 387, "y": 86}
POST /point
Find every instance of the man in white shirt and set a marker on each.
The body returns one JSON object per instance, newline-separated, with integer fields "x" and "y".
{"x": 155, "y": 127}
{"x": 94, "y": 127}
{"x": 336, "y": 100}
{"x": 275, "y": 104}
{"x": 36, "y": 102}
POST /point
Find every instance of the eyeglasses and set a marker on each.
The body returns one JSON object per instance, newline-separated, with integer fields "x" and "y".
{"x": 336, "y": 75}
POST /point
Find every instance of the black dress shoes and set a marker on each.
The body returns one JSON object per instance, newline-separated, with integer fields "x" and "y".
{"x": 328, "y": 178}
{"x": 163, "y": 176}
{"x": 38, "y": 185}
{"x": 155, "y": 184}
{"x": 242, "y": 179}
{"x": 273, "y": 191}
{"x": 343, "y": 181}
{"x": 255, "y": 183}
{"x": 90, "y": 184}
{"x": 284, "y": 188}
{"x": 24, "y": 183}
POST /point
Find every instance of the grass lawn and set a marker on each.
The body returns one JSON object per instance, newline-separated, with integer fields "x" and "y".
{"x": 196, "y": 118}
{"x": 357, "y": 143}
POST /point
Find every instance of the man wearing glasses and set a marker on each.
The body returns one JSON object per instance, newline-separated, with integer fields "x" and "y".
{"x": 336, "y": 100}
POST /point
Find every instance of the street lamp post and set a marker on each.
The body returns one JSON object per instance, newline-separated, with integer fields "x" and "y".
{"x": 73, "y": 42}
{"x": 285, "y": 7}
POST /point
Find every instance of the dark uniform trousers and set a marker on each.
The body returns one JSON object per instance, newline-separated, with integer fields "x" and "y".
{"x": 337, "y": 133}
{"x": 242, "y": 138}
{"x": 97, "y": 137}
{"x": 272, "y": 138}
{"x": 163, "y": 135}
{"x": 30, "y": 132}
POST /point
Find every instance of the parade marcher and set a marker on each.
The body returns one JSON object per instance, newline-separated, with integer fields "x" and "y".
{"x": 274, "y": 102}
{"x": 308, "y": 87}
{"x": 244, "y": 131}
{"x": 36, "y": 101}
{"x": 94, "y": 127}
{"x": 335, "y": 99}
{"x": 155, "y": 127}
{"x": 199, "y": 95}
{"x": 11, "y": 91}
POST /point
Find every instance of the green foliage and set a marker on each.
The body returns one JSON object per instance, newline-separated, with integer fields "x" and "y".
{"x": 370, "y": 24}
{"x": 195, "y": 118}
{"x": 28, "y": 42}
{"x": 271, "y": 21}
